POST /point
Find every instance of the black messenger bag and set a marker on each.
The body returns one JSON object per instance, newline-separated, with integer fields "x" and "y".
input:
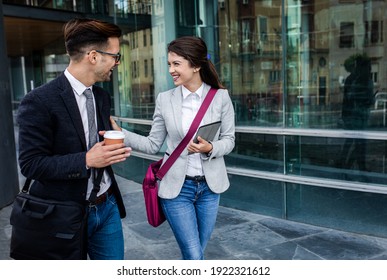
{"x": 46, "y": 229}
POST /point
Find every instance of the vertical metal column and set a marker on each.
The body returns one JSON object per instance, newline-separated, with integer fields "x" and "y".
{"x": 9, "y": 182}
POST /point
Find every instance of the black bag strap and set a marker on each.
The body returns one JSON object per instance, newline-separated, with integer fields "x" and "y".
{"x": 96, "y": 185}
{"x": 94, "y": 191}
{"x": 26, "y": 185}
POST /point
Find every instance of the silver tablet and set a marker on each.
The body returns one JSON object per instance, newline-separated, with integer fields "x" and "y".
{"x": 207, "y": 131}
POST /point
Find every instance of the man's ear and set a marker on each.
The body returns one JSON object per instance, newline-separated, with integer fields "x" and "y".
{"x": 92, "y": 56}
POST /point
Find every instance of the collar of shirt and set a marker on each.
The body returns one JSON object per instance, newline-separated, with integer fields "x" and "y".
{"x": 186, "y": 92}
{"x": 77, "y": 86}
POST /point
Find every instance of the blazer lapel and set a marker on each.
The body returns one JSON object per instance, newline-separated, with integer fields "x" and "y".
{"x": 207, "y": 118}
{"x": 103, "y": 111}
{"x": 72, "y": 107}
{"x": 98, "y": 97}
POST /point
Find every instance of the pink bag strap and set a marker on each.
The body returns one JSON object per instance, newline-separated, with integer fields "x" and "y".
{"x": 183, "y": 144}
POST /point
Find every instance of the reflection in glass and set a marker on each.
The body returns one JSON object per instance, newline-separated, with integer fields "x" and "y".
{"x": 256, "y": 195}
{"x": 357, "y": 100}
{"x": 295, "y": 61}
{"x": 321, "y": 157}
{"x": 258, "y": 152}
{"x": 250, "y": 59}
{"x": 339, "y": 209}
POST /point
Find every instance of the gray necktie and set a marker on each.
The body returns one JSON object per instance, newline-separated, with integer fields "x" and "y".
{"x": 91, "y": 118}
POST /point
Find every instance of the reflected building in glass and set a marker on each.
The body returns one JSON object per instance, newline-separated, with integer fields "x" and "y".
{"x": 308, "y": 80}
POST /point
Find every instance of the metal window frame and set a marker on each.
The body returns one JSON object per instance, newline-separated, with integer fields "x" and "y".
{"x": 286, "y": 178}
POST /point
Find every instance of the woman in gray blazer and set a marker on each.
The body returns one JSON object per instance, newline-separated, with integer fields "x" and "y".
{"x": 190, "y": 190}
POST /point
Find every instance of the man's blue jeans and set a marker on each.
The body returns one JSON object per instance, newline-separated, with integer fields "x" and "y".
{"x": 105, "y": 236}
{"x": 192, "y": 216}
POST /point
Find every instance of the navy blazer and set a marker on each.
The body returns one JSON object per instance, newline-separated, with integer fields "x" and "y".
{"x": 52, "y": 143}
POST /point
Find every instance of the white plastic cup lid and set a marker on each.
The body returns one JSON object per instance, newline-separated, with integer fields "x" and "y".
{"x": 114, "y": 134}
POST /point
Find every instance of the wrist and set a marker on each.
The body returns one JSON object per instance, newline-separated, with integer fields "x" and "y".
{"x": 210, "y": 151}
{"x": 87, "y": 162}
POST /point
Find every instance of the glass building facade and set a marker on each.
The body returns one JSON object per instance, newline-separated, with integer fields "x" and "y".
{"x": 308, "y": 80}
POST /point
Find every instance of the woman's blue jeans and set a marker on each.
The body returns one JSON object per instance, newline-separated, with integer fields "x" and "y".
{"x": 105, "y": 236}
{"x": 192, "y": 216}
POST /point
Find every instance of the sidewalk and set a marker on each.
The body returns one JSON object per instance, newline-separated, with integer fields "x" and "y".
{"x": 238, "y": 235}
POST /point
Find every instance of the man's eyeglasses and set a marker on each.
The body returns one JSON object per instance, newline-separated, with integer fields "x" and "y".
{"x": 117, "y": 56}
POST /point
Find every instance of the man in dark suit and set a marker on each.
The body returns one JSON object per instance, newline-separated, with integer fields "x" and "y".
{"x": 54, "y": 135}
{"x": 357, "y": 100}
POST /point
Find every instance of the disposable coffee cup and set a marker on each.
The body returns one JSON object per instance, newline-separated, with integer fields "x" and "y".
{"x": 113, "y": 137}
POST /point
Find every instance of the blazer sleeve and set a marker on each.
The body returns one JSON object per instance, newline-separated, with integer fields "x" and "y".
{"x": 152, "y": 143}
{"x": 44, "y": 143}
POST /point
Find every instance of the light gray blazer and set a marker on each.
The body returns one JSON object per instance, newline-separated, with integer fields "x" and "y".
{"x": 167, "y": 125}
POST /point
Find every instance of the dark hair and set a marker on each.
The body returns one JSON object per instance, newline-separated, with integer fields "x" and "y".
{"x": 80, "y": 33}
{"x": 194, "y": 50}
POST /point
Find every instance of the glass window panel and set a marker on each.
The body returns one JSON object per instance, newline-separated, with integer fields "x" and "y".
{"x": 374, "y": 31}
{"x": 359, "y": 212}
{"x": 255, "y": 195}
{"x": 346, "y": 34}
{"x": 141, "y": 129}
{"x": 133, "y": 168}
{"x": 250, "y": 60}
{"x": 326, "y": 48}
{"x": 262, "y": 21}
{"x": 262, "y": 152}
{"x": 348, "y": 159}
